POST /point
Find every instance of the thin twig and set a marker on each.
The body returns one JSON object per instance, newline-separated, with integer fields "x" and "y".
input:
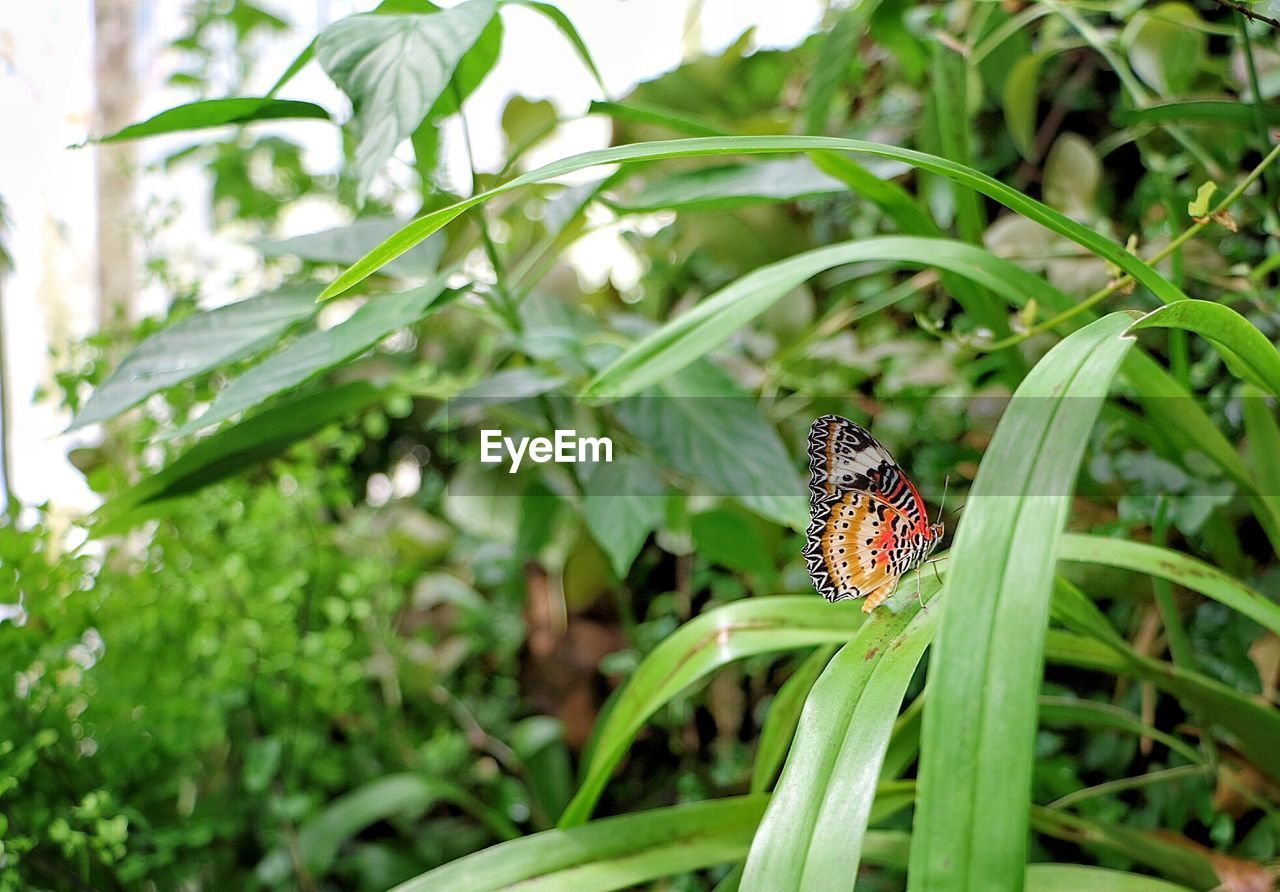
{"x": 1126, "y": 280}
{"x": 1249, "y": 13}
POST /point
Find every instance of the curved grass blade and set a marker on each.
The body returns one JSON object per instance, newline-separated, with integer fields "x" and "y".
{"x": 1183, "y": 863}
{"x": 709, "y": 324}
{"x": 1054, "y": 712}
{"x": 1253, "y": 727}
{"x": 208, "y": 113}
{"x": 984, "y": 676}
{"x": 784, "y": 715}
{"x": 1213, "y": 111}
{"x": 751, "y": 145}
{"x": 1057, "y": 712}
{"x": 811, "y": 834}
{"x": 1246, "y": 350}
{"x": 408, "y": 793}
{"x": 1074, "y": 877}
{"x": 1263, "y": 435}
{"x": 692, "y": 652}
{"x": 612, "y": 853}
{"x": 1176, "y": 567}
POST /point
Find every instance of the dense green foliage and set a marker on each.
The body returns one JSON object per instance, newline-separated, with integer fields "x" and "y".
{"x": 324, "y": 646}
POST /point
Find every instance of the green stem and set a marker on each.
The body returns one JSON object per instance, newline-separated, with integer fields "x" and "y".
{"x": 1126, "y": 280}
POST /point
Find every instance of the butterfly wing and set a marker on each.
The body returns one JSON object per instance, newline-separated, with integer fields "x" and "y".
{"x": 858, "y": 547}
{"x": 868, "y": 524}
{"x": 843, "y": 456}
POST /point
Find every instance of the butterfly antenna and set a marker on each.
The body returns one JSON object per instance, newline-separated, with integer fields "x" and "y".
{"x": 942, "y": 506}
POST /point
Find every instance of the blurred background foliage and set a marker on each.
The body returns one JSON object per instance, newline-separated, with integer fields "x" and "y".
{"x": 335, "y": 651}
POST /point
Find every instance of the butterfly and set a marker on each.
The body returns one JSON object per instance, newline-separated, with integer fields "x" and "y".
{"x": 867, "y": 523}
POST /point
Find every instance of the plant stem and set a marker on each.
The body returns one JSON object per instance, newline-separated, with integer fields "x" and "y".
{"x": 1126, "y": 280}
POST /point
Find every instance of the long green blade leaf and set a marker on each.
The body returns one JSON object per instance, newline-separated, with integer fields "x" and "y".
{"x": 217, "y": 113}
{"x": 715, "y": 319}
{"x": 313, "y": 353}
{"x": 614, "y": 853}
{"x": 747, "y": 145}
{"x": 984, "y": 677}
{"x": 692, "y": 652}
{"x": 1245, "y": 349}
{"x": 811, "y": 835}
{"x": 1176, "y": 567}
{"x": 230, "y": 451}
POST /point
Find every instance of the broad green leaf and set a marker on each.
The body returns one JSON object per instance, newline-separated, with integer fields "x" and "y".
{"x": 217, "y": 113}
{"x": 699, "y": 422}
{"x": 346, "y": 244}
{"x": 1011, "y": 198}
{"x": 623, "y": 503}
{"x": 613, "y": 853}
{"x": 1165, "y": 46}
{"x": 395, "y": 68}
{"x": 783, "y": 716}
{"x": 230, "y": 451}
{"x": 1245, "y": 349}
{"x": 717, "y": 188}
{"x": 409, "y": 793}
{"x": 692, "y": 652}
{"x": 312, "y": 353}
{"x": 1074, "y": 877}
{"x": 811, "y": 834}
{"x": 195, "y": 345}
{"x": 1176, "y": 567}
{"x": 984, "y": 676}
{"x": 1213, "y": 111}
{"x": 717, "y": 317}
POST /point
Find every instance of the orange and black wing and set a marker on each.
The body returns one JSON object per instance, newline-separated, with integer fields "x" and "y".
{"x": 858, "y": 547}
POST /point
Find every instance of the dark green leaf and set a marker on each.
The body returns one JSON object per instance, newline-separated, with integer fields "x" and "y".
{"x": 196, "y": 345}
{"x": 228, "y": 452}
{"x": 313, "y": 353}
{"x": 699, "y": 422}
{"x": 218, "y": 113}
{"x": 623, "y": 504}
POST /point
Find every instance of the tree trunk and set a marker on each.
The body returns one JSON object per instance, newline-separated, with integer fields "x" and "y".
{"x": 116, "y": 97}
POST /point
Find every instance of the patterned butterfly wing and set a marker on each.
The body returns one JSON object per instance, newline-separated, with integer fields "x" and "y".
{"x": 868, "y": 525}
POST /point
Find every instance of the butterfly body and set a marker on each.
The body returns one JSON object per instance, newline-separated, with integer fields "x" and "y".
{"x": 868, "y": 525}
